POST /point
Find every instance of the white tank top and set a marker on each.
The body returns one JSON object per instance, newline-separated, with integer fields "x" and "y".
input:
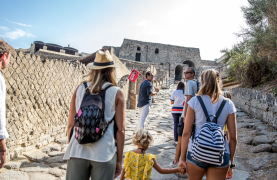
{"x": 104, "y": 149}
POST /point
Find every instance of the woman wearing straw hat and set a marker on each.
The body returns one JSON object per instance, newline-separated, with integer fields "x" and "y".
{"x": 102, "y": 160}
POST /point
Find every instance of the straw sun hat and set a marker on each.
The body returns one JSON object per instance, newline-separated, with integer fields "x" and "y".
{"x": 102, "y": 60}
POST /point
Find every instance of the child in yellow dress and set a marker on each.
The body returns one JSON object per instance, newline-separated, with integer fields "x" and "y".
{"x": 228, "y": 95}
{"x": 138, "y": 164}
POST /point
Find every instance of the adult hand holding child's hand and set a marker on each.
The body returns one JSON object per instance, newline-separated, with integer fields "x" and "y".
{"x": 182, "y": 165}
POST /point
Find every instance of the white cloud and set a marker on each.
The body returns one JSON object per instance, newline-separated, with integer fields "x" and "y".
{"x": 141, "y": 23}
{"x": 4, "y": 28}
{"x": 15, "y": 34}
{"x": 21, "y": 24}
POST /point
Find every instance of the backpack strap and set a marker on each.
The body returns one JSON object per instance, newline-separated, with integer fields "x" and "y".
{"x": 203, "y": 106}
{"x": 220, "y": 108}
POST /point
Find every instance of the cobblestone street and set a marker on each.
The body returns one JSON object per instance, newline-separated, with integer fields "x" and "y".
{"x": 254, "y": 157}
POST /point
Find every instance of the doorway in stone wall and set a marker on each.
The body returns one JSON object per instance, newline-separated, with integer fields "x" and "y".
{"x": 189, "y": 63}
{"x": 178, "y": 73}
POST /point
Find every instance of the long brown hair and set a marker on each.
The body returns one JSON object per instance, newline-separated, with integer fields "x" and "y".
{"x": 99, "y": 77}
{"x": 210, "y": 84}
{"x": 181, "y": 85}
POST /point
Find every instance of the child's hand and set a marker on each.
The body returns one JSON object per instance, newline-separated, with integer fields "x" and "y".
{"x": 181, "y": 170}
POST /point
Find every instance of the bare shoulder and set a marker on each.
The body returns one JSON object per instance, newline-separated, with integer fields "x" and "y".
{"x": 119, "y": 95}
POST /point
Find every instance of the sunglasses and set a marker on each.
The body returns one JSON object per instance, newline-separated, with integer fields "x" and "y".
{"x": 187, "y": 72}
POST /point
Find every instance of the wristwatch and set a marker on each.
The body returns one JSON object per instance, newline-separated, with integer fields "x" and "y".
{"x": 232, "y": 165}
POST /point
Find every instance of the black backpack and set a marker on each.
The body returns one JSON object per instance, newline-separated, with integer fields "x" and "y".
{"x": 90, "y": 124}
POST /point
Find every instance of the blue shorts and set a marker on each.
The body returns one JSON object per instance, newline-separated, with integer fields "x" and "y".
{"x": 203, "y": 165}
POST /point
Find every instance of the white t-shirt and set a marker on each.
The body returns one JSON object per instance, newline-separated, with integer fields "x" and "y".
{"x": 212, "y": 108}
{"x": 104, "y": 149}
{"x": 3, "y": 131}
{"x": 178, "y": 97}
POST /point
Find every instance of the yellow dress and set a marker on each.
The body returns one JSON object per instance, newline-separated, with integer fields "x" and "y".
{"x": 225, "y": 128}
{"x": 138, "y": 166}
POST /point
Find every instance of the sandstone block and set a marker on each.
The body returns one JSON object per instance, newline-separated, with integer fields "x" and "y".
{"x": 57, "y": 172}
{"x": 14, "y": 175}
{"x": 64, "y": 166}
{"x": 263, "y": 139}
{"x": 274, "y": 147}
{"x": 62, "y": 140}
{"x": 262, "y": 148}
{"x": 55, "y": 153}
{"x": 55, "y": 147}
{"x": 41, "y": 176}
{"x": 36, "y": 156}
{"x": 55, "y": 159}
{"x": 35, "y": 167}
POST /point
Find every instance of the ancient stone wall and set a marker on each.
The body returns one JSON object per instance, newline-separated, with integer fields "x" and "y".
{"x": 39, "y": 92}
{"x": 262, "y": 105}
{"x": 158, "y": 53}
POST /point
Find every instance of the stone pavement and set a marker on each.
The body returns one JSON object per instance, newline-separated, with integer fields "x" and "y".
{"x": 254, "y": 156}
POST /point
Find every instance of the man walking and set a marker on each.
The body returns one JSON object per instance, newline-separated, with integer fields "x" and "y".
{"x": 191, "y": 87}
{"x": 145, "y": 99}
{"x": 5, "y": 54}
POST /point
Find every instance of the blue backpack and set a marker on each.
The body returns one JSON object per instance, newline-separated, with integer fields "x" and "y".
{"x": 209, "y": 145}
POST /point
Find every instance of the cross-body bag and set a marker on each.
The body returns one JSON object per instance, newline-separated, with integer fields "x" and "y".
{"x": 209, "y": 145}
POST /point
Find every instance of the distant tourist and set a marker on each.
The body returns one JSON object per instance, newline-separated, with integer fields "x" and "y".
{"x": 145, "y": 99}
{"x": 190, "y": 91}
{"x": 210, "y": 111}
{"x": 228, "y": 95}
{"x": 138, "y": 164}
{"x": 96, "y": 147}
{"x": 177, "y": 99}
{"x": 5, "y": 55}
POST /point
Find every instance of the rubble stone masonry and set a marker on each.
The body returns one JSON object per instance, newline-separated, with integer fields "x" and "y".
{"x": 38, "y": 97}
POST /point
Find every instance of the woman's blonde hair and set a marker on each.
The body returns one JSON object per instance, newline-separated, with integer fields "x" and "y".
{"x": 210, "y": 84}
{"x": 99, "y": 77}
{"x": 142, "y": 138}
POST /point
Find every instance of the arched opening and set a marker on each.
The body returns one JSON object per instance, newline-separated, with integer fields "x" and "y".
{"x": 156, "y": 51}
{"x": 138, "y": 48}
{"x": 178, "y": 73}
{"x": 189, "y": 63}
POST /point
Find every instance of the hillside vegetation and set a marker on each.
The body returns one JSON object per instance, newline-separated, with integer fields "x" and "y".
{"x": 253, "y": 61}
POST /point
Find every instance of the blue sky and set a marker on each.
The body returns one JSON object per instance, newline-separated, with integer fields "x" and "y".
{"x": 87, "y": 25}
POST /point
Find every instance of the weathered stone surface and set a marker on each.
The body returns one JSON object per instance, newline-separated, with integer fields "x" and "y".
{"x": 258, "y": 162}
{"x": 14, "y": 175}
{"x": 56, "y": 159}
{"x": 53, "y": 165}
{"x": 57, "y": 172}
{"x": 41, "y": 176}
{"x": 46, "y": 150}
{"x": 62, "y": 178}
{"x": 246, "y": 140}
{"x": 62, "y": 140}
{"x": 55, "y": 147}
{"x": 262, "y": 148}
{"x": 35, "y": 156}
{"x": 35, "y": 167}
{"x": 274, "y": 147}
{"x": 64, "y": 166}
{"x": 263, "y": 139}
{"x": 14, "y": 165}
{"x": 55, "y": 153}
{"x": 129, "y": 133}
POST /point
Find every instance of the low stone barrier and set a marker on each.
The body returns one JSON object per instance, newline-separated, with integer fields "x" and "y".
{"x": 262, "y": 105}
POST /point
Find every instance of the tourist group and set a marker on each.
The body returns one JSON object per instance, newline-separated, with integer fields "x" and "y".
{"x": 204, "y": 126}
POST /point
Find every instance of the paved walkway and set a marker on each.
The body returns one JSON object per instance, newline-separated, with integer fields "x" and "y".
{"x": 253, "y": 162}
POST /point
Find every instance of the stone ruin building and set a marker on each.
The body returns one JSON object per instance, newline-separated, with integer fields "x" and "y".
{"x": 41, "y": 80}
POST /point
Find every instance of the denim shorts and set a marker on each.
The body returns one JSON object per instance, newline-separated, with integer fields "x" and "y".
{"x": 203, "y": 165}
